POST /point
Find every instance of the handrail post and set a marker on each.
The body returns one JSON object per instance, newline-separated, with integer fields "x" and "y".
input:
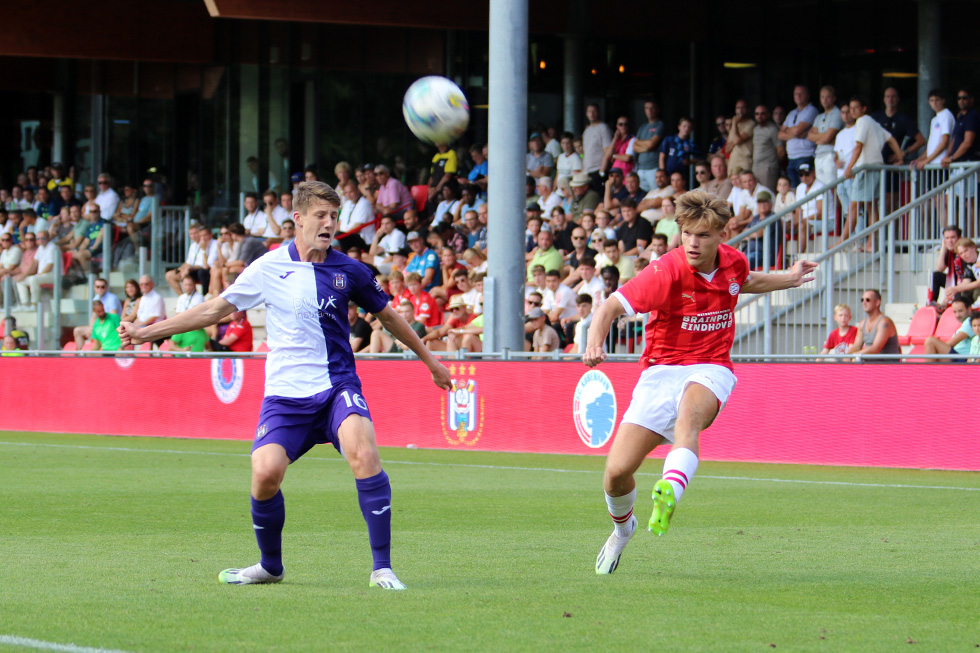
{"x": 914, "y": 216}
{"x": 8, "y": 304}
{"x": 156, "y": 241}
{"x": 56, "y": 299}
{"x": 107, "y": 232}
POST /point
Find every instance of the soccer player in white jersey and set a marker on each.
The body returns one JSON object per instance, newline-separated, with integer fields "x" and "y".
{"x": 312, "y": 392}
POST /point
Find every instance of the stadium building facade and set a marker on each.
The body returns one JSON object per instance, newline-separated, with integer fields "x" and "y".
{"x": 218, "y": 97}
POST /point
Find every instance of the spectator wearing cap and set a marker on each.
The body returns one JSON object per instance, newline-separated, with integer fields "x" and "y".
{"x": 296, "y": 179}
{"x": 810, "y": 214}
{"x": 634, "y": 234}
{"x": 460, "y": 316}
{"x": 426, "y": 310}
{"x": 545, "y": 255}
{"x": 423, "y": 261}
{"x": 393, "y": 198}
{"x": 583, "y": 198}
{"x": 543, "y": 337}
{"x": 387, "y": 240}
{"x": 539, "y": 161}
{"x": 754, "y": 241}
{"x": 650, "y": 207}
{"x": 469, "y": 337}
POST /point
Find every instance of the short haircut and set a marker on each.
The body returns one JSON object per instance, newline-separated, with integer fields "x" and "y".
{"x": 975, "y": 315}
{"x": 538, "y": 268}
{"x": 252, "y": 196}
{"x": 308, "y": 192}
{"x": 271, "y": 192}
{"x": 828, "y": 87}
{"x": 236, "y": 228}
{"x": 875, "y": 293}
{"x": 382, "y": 168}
{"x": 568, "y": 135}
{"x": 396, "y": 274}
{"x": 99, "y": 302}
{"x": 532, "y": 294}
{"x": 584, "y": 298}
{"x": 685, "y": 119}
{"x": 341, "y": 165}
{"x": 953, "y": 227}
{"x": 700, "y": 164}
{"x": 936, "y": 92}
{"x": 553, "y": 273}
{"x": 460, "y": 273}
{"x": 610, "y": 242}
{"x": 628, "y": 202}
{"x": 660, "y": 236}
{"x": 843, "y": 307}
{"x": 959, "y": 298}
{"x": 102, "y": 279}
{"x": 413, "y": 277}
{"x": 860, "y": 100}
{"x": 698, "y": 207}
{"x": 289, "y": 220}
{"x": 611, "y": 270}
{"x": 476, "y": 147}
{"x": 965, "y": 242}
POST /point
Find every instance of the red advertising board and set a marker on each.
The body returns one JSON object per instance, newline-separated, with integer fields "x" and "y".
{"x": 833, "y": 414}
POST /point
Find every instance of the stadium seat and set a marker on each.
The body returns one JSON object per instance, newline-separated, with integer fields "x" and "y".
{"x": 568, "y": 347}
{"x": 421, "y": 196}
{"x": 88, "y": 346}
{"x": 165, "y": 345}
{"x": 917, "y": 349}
{"x": 274, "y": 246}
{"x": 922, "y": 326}
{"x": 948, "y": 325}
{"x": 262, "y": 346}
{"x": 65, "y": 264}
{"x": 70, "y": 346}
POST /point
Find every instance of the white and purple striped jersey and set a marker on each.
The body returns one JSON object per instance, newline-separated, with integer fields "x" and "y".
{"x": 306, "y": 316}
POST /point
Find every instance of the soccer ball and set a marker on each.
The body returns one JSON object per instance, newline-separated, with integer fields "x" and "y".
{"x": 436, "y": 110}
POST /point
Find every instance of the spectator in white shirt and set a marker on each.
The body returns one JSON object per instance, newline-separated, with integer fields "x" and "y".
{"x": 548, "y": 199}
{"x": 151, "y": 308}
{"x": 356, "y": 211}
{"x": 190, "y": 297}
{"x": 254, "y": 221}
{"x": 29, "y": 288}
{"x": 386, "y": 241}
{"x": 810, "y": 213}
{"x": 107, "y": 199}
{"x": 274, "y": 215}
{"x": 569, "y": 162}
{"x": 940, "y": 131}
{"x": 193, "y": 259}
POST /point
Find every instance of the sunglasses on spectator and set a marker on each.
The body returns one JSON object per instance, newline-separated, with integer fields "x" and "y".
{"x": 700, "y": 172}
{"x": 6, "y": 240}
{"x": 621, "y": 124}
{"x": 103, "y": 182}
{"x": 29, "y": 238}
{"x": 530, "y": 303}
{"x": 578, "y": 237}
{"x": 866, "y": 299}
{"x": 147, "y": 185}
{"x": 456, "y": 308}
{"x": 962, "y": 97}
{"x": 100, "y": 286}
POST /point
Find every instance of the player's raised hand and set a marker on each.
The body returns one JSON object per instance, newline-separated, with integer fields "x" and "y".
{"x": 440, "y": 376}
{"x": 593, "y": 355}
{"x": 128, "y": 334}
{"x": 801, "y": 272}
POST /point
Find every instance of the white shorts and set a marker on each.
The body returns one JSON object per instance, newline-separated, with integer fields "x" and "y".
{"x": 657, "y": 396}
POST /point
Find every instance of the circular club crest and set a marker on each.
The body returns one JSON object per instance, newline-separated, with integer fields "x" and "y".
{"x": 594, "y": 409}
{"x": 124, "y": 362}
{"x": 227, "y": 376}
{"x": 733, "y": 289}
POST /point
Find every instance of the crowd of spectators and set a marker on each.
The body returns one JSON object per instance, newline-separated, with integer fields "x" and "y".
{"x": 599, "y": 207}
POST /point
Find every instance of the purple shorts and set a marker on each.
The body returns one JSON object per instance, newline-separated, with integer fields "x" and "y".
{"x": 299, "y": 423}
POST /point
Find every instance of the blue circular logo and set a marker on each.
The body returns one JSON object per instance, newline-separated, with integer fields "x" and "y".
{"x": 594, "y": 409}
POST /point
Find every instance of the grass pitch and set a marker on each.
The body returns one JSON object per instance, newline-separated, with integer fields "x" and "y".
{"x": 116, "y": 543}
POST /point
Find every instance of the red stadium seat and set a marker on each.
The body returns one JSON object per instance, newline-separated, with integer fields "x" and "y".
{"x": 948, "y": 325}
{"x": 421, "y": 196}
{"x": 922, "y": 326}
{"x": 918, "y": 349}
{"x": 568, "y": 347}
{"x": 69, "y": 346}
{"x": 165, "y": 345}
{"x": 274, "y": 246}
{"x": 65, "y": 264}
{"x": 262, "y": 346}
{"x": 88, "y": 346}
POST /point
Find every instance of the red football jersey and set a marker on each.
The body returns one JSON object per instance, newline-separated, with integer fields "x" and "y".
{"x": 692, "y": 319}
{"x": 838, "y": 344}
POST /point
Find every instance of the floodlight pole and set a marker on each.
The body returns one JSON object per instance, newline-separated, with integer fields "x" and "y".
{"x": 503, "y": 326}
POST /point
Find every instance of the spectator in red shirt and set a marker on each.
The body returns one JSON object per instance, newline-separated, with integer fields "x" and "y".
{"x": 238, "y": 335}
{"x": 426, "y": 310}
{"x": 397, "y": 289}
{"x": 841, "y": 338}
{"x": 435, "y": 339}
{"x": 449, "y": 265}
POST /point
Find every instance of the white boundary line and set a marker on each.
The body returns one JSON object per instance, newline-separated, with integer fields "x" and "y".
{"x": 504, "y": 467}
{"x": 25, "y": 642}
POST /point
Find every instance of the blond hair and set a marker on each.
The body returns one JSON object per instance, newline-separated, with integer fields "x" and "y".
{"x": 697, "y": 208}
{"x": 308, "y": 192}
{"x": 843, "y": 307}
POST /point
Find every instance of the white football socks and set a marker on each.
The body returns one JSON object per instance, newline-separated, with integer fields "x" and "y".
{"x": 621, "y": 510}
{"x": 679, "y": 468}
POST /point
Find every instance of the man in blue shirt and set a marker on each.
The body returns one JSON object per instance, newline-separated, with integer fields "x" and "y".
{"x": 424, "y": 261}
{"x": 679, "y": 150}
{"x": 312, "y": 392}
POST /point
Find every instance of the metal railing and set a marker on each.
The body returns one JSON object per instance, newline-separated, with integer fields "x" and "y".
{"x": 894, "y": 255}
{"x": 170, "y": 239}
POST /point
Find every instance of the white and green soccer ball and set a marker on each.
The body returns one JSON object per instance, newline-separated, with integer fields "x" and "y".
{"x": 436, "y": 110}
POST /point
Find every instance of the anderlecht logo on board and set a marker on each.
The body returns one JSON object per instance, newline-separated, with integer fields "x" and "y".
{"x": 594, "y": 409}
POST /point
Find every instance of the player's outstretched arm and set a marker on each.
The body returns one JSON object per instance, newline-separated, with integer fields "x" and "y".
{"x": 398, "y": 327}
{"x": 799, "y": 274}
{"x": 202, "y": 315}
{"x": 599, "y": 329}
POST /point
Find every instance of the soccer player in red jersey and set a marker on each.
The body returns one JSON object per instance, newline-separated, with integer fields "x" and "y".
{"x": 687, "y": 375}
